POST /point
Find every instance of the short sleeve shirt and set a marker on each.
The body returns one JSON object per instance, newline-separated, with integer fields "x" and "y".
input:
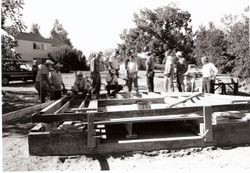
{"x": 114, "y": 63}
{"x": 43, "y": 70}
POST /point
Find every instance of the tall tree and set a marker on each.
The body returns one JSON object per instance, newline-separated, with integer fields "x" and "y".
{"x": 11, "y": 24}
{"x": 60, "y": 34}
{"x": 35, "y": 29}
{"x": 165, "y": 28}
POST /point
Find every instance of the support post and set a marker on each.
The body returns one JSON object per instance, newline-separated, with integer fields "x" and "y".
{"x": 91, "y": 140}
{"x": 207, "y": 114}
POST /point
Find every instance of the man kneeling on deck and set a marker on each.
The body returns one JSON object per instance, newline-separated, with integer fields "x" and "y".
{"x": 81, "y": 85}
{"x": 112, "y": 83}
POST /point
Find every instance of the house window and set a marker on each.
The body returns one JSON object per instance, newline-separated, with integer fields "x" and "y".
{"x": 36, "y": 46}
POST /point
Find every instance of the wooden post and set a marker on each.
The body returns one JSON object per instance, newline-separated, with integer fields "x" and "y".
{"x": 236, "y": 88}
{"x": 91, "y": 140}
{"x": 207, "y": 113}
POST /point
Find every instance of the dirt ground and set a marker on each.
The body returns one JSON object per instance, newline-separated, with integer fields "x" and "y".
{"x": 16, "y": 156}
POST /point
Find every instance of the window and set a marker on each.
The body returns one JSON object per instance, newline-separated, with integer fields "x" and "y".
{"x": 34, "y": 45}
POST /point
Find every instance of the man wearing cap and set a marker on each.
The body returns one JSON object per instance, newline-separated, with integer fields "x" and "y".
{"x": 209, "y": 73}
{"x": 181, "y": 68}
{"x": 42, "y": 83}
{"x": 113, "y": 63}
{"x": 56, "y": 82}
{"x": 95, "y": 68}
{"x": 112, "y": 83}
{"x": 150, "y": 72}
{"x": 81, "y": 85}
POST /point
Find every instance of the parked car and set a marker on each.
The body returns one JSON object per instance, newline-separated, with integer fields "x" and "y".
{"x": 15, "y": 71}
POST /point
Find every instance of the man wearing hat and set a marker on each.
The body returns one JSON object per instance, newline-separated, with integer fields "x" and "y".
{"x": 209, "y": 72}
{"x": 81, "y": 84}
{"x": 56, "y": 82}
{"x": 42, "y": 83}
{"x": 181, "y": 68}
{"x": 112, "y": 83}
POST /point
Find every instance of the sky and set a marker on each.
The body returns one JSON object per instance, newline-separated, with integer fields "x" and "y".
{"x": 95, "y": 25}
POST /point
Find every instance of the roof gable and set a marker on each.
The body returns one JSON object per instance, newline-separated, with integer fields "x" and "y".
{"x": 31, "y": 37}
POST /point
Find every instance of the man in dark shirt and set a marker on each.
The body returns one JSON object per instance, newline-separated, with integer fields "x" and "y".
{"x": 181, "y": 68}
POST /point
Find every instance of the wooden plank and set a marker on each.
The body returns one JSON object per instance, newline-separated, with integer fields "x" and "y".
{"x": 82, "y": 104}
{"x": 26, "y": 111}
{"x": 91, "y": 141}
{"x": 63, "y": 108}
{"x": 159, "y": 139}
{"x": 39, "y": 127}
{"x": 53, "y": 107}
{"x": 207, "y": 114}
{"x": 186, "y": 99}
{"x": 110, "y": 102}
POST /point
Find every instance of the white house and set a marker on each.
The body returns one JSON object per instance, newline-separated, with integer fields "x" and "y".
{"x": 34, "y": 46}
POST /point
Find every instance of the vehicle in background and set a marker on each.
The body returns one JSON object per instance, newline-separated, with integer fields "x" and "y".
{"x": 15, "y": 70}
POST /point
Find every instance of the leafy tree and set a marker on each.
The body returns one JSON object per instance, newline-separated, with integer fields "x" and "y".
{"x": 69, "y": 57}
{"x": 11, "y": 24}
{"x": 159, "y": 30}
{"x": 60, "y": 34}
{"x": 35, "y": 29}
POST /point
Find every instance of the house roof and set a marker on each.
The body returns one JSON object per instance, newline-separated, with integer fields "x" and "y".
{"x": 56, "y": 43}
{"x": 31, "y": 37}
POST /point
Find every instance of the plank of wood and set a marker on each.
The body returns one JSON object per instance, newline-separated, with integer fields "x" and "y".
{"x": 63, "y": 108}
{"x": 26, "y": 111}
{"x": 39, "y": 127}
{"x": 186, "y": 99}
{"x": 159, "y": 139}
{"x": 180, "y": 117}
{"x": 54, "y": 106}
{"x": 91, "y": 140}
{"x": 82, "y": 104}
{"x": 110, "y": 102}
{"x": 207, "y": 114}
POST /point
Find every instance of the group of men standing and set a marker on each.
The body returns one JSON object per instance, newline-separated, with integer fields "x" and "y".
{"x": 49, "y": 80}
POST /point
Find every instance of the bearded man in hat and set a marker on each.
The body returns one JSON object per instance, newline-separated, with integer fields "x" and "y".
{"x": 112, "y": 83}
{"x": 56, "y": 82}
{"x": 181, "y": 68}
{"x": 42, "y": 84}
{"x": 209, "y": 73}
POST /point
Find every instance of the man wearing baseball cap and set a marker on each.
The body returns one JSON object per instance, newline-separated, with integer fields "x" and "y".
{"x": 42, "y": 84}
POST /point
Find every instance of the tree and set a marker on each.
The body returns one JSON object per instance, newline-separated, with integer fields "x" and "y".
{"x": 69, "y": 57}
{"x": 60, "y": 34}
{"x": 11, "y": 24}
{"x": 35, "y": 29}
{"x": 159, "y": 30}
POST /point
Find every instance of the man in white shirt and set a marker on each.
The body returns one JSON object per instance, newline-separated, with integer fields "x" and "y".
{"x": 113, "y": 63}
{"x": 112, "y": 83}
{"x": 169, "y": 73}
{"x": 209, "y": 73}
{"x": 132, "y": 70}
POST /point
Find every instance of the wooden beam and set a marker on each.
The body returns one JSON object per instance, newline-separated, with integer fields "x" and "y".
{"x": 207, "y": 114}
{"x": 91, "y": 140}
{"x": 110, "y": 102}
{"x": 64, "y": 107}
{"x": 26, "y": 111}
{"x": 186, "y": 99}
{"x": 54, "y": 106}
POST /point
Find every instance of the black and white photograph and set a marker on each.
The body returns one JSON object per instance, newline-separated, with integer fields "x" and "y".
{"x": 125, "y": 85}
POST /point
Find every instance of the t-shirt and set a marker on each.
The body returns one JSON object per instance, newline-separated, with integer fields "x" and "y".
{"x": 181, "y": 66}
{"x": 169, "y": 66}
{"x": 132, "y": 67}
{"x": 209, "y": 70}
{"x": 56, "y": 79}
{"x": 43, "y": 70}
{"x": 114, "y": 63}
{"x": 111, "y": 80}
